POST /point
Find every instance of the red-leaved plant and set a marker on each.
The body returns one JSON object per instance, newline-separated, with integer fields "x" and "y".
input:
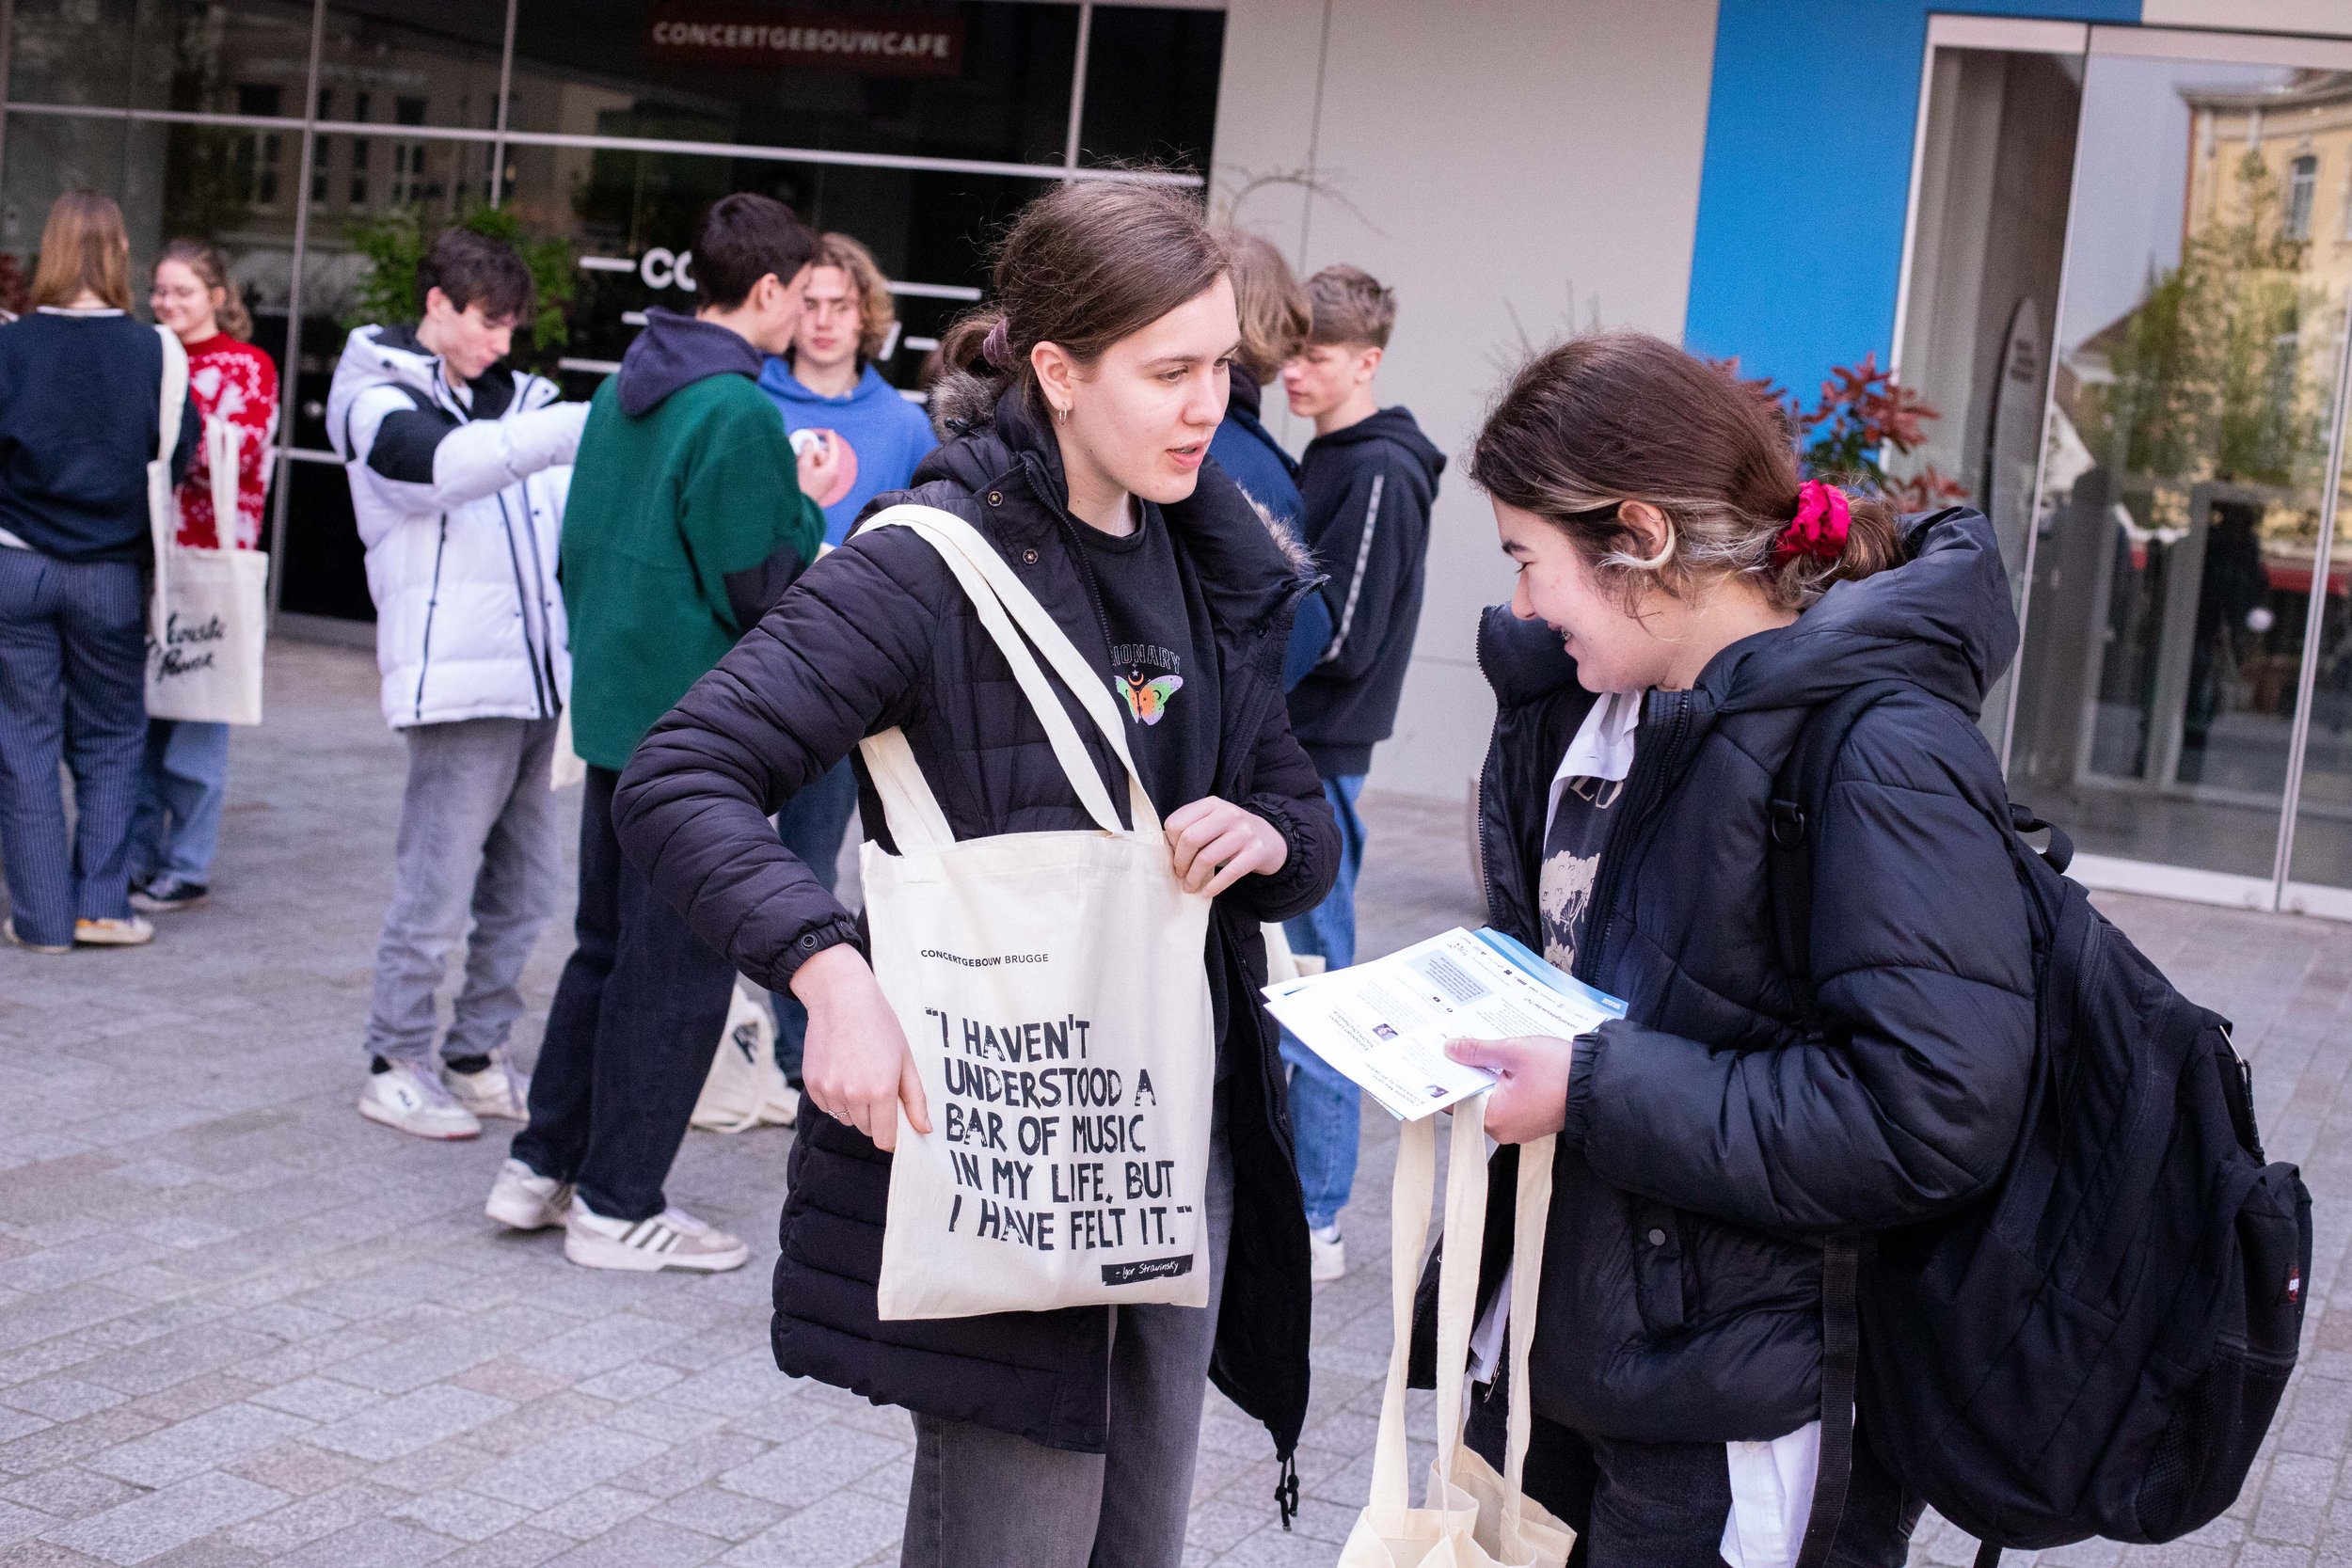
{"x": 1863, "y": 411}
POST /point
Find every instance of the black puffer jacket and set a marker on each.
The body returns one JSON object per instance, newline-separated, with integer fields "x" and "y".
{"x": 1707, "y": 1146}
{"x": 878, "y": 634}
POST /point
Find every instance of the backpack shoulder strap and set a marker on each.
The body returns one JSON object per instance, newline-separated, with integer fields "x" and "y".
{"x": 1800, "y": 792}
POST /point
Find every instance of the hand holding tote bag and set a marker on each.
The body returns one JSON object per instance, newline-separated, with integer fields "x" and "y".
{"x": 1052, "y": 989}
{"x": 1470, "y": 1517}
{"x": 210, "y": 611}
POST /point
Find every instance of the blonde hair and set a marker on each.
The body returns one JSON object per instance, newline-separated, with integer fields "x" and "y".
{"x": 1352, "y": 308}
{"x": 876, "y": 310}
{"x": 203, "y": 260}
{"x": 82, "y": 251}
{"x": 1275, "y": 315}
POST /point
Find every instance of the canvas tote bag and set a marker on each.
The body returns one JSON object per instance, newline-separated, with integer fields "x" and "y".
{"x": 1470, "y": 1517}
{"x": 211, "y": 607}
{"x": 1052, "y": 989}
{"x": 745, "y": 1087}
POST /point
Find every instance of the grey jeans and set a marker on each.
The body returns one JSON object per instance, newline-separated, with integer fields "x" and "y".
{"x": 479, "y": 842}
{"x": 983, "y": 1498}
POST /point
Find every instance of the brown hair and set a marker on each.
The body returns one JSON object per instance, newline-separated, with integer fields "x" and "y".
{"x": 471, "y": 268}
{"x": 83, "y": 249}
{"x": 1274, "y": 316}
{"x": 1083, "y": 267}
{"x": 1617, "y": 417}
{"x": 203, "y": 260}
{"x": 876, "y": 309}
{"x": 1350, "y": 307}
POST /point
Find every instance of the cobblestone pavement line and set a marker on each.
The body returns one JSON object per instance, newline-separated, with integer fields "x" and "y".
{"x": 240, "y": 1325}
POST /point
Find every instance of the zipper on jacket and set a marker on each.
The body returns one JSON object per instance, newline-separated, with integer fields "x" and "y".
{"x": 522, "y": 607}
{"x": 1649, "y": 765}
{"x": 432, "y": 603}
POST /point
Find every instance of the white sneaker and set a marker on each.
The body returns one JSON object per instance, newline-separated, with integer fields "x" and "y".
{"x": 501, "y": 1089}
{"x": 672, "y": 1239}
{"x": 417, "y": 1102}
{"x": 1326, "y": 1254}
{"x": 522, "y": 1199}
{"x": 128, "y": 931}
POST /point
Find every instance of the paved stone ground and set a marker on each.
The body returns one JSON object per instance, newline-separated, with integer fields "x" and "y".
{"x": 239, "y": 1325}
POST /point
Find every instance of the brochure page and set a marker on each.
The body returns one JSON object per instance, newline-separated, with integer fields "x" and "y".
{"x": 1385, "y": 1023}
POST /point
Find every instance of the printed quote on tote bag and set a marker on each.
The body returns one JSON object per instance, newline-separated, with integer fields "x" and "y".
{"x": 1052, "y": 989}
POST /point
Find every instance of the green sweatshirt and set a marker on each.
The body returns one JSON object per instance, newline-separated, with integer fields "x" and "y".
{"x": 665, "y": 508}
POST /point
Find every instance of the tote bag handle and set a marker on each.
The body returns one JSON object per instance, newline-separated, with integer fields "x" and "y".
{"x": 1457, "y": 1286}
{"x": 162, "y": 514}
{"x": 1002, "y": 599}
{"x": 221, "y": 440}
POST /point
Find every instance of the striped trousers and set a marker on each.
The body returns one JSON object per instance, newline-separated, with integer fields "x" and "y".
{"x": 72, "y": 688}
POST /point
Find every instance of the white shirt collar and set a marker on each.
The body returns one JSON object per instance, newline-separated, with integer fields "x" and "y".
{"x": 1603, "y": 747}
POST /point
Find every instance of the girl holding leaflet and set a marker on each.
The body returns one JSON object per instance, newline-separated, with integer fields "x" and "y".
{"x": 1684, "y": 603}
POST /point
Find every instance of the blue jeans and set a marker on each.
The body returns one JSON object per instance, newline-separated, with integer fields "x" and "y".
{"x": 811, "y": 826}
{"x": 1326, "y": 1106}
{"x": 478, "y": 863}
{"x": 72, "y": 688}
{"x": 185, "y": 779}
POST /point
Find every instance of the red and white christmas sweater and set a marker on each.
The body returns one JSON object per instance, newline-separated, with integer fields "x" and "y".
{"x": 237, "y": 383}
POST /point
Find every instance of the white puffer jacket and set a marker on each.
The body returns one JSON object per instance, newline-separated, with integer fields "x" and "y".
{"x": 461, "y": 509}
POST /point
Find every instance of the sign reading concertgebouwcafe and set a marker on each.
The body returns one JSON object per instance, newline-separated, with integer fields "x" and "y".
{"x": 901, "y": 44}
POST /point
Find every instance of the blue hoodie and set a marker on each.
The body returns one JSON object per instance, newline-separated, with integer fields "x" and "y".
{"x": 884, "y": 437}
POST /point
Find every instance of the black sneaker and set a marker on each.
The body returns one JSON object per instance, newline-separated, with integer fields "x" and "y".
{"x": 167, "y": 893}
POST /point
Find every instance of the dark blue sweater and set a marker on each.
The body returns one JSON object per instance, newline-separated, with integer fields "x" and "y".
{"x": 79, "y": 396}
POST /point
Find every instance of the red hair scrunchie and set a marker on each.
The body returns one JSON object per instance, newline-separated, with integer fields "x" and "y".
{"x": 1820, "y": 527}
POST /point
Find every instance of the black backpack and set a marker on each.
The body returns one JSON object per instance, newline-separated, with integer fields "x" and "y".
{"x": 2096, "y": 1345}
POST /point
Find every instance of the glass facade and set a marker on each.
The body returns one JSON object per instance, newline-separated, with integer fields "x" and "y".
{"x": 292, "y": 135}
{"x": 2128, "y": 294}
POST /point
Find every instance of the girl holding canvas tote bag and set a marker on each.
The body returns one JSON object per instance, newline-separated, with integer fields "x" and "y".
{"x": 218, "y": 580}
{"x": 1056, "y": 664}
{"x": 1686, "y": 599}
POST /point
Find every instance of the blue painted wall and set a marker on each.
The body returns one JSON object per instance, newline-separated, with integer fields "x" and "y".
{"x": 1809, "y": 127}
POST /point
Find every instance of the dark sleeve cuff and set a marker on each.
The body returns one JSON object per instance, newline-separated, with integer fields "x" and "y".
{"x": 807, "y": 946}
{"x": 1300, "y": 885}
{"x": 1581, "y": 1067}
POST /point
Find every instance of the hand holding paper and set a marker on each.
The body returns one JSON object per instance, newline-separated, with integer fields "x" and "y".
{"x": 1530, "y": 1098}
{"x": 1387, "y": 1024}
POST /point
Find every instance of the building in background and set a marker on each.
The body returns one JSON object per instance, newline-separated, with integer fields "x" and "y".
{"x": 2110, "y": 241}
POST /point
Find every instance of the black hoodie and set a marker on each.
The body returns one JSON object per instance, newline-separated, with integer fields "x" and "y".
{"x": 1368, "y": 490}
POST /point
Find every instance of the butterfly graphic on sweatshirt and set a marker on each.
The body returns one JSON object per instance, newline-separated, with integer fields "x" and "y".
{"x": 1147, "y": 699}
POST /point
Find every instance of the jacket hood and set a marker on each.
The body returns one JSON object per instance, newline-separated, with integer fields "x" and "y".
{"x": 1942, "y": 621}
{"x": 390, "y": 356}
{"x": 1249, "y": 562}
{"x": 1397, "y": 427}
{"x": 675, "y": 351}
{"x": 777, "y": 377}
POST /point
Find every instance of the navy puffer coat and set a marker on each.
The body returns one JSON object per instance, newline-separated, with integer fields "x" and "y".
{"x": 879, "y": 634}
{"x": 1709, "y": 1145}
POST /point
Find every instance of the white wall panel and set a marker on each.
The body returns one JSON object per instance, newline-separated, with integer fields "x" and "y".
{"x": 1512, "y": 168}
